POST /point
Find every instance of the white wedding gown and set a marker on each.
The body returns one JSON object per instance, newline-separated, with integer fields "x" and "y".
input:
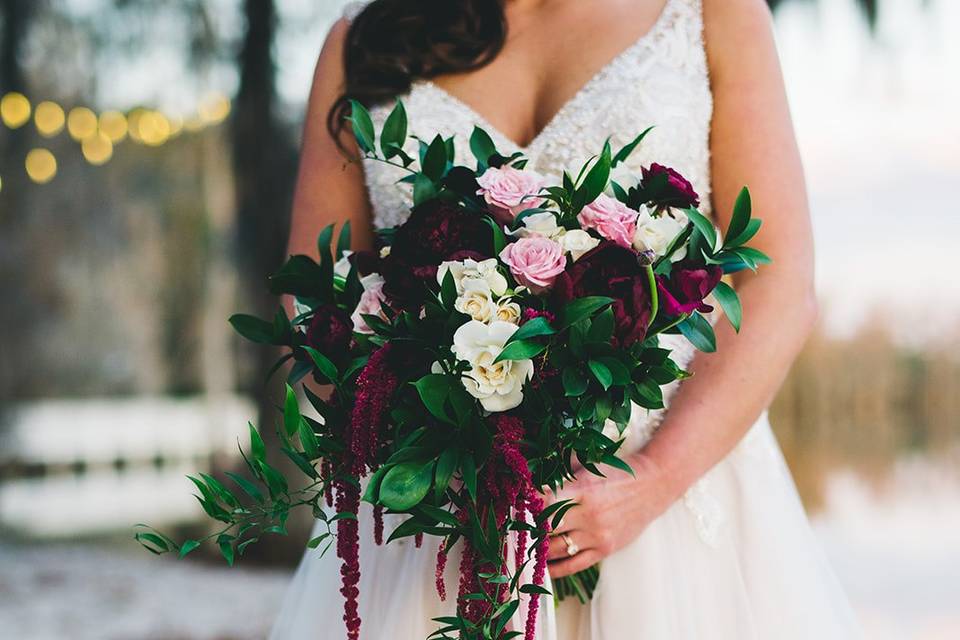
{"x": 735, "y": 559}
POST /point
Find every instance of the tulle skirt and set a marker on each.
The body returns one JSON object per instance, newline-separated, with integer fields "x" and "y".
{"x": 734, "y": 559}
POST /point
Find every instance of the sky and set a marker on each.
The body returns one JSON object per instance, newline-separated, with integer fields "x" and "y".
{"x": 875, "y": 118}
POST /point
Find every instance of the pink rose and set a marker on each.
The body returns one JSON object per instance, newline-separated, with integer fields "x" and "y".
{"x": 370, "y": 303}
{"x": 510, "y": 191}
{"x": 611, "y": 219}
{"x": 535, "y": 261}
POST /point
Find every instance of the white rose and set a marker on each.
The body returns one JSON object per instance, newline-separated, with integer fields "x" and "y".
{"x": 342, "y": 266}
{"x": 499, "y": 387}
{"x": 508, "y": 311}
{"x": 476, "y": 300}
{"x": 384, "y": 251}
{"x": 577, "y": 242}
{"x": 370, "y": 302}
{"x": 542, "y": 224}
{"x": 656, "y": 233}
{"x": 485, "y": 270}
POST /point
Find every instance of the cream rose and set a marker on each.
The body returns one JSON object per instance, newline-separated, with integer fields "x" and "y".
{"x": 470, "y": 270}
{"x": 542, "y": 224}
{"x": 508, "y": 311}
{"x": 577, "y": 242}
{"x": 656, "y": 233}
{"x": 476, "y": 301}
{"x": 499, "y": 387}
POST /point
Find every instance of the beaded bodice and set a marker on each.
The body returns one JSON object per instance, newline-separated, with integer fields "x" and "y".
{"x": 661, "y": 80}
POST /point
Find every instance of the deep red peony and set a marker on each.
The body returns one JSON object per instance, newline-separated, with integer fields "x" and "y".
{"x": 687, "y": 288}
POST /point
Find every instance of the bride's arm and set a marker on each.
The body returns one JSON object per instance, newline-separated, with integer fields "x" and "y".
{"x": 329, "y": 187}
{"x": 753, "y": 142}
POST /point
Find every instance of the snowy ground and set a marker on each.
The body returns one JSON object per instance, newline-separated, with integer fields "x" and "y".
{"x": 897, "y": 553}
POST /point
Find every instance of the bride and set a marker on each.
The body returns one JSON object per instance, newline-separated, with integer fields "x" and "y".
{"x": 708, "y": 540}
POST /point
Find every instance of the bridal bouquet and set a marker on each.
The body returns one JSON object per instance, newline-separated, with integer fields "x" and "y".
{"x": 499, "y": 337}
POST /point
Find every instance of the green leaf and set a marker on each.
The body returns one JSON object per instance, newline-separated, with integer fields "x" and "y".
{"x": 187, "y": 547}
{"x": 252, "y": 328}
{"x": 601, "y": 328}
{"x": 625, "y": 152}
{"x": 248, "y": 487}
{"x": 617, "y": 463}
{"x": 741, "y": 214}
{"x": 448, "y": 289}
{"x": 434, "y": 389}
{"x": 405, "y": 485}
{"x": 601, "y": 373}
{"x": 424, "y": 189}
{"x": 373, "y": 485}
{"x": 499, "y": 238}
{"x": 574, "y": 382}
{"x": 291, "y": 412}
{"x": 619, "y": 371}
{"x": 595, "y": 181}
{"x": 704, "y": 226}
{"x": 698, "y": 331}
{"x": 752, "y": 228}
{"x": 533, "y": 329}
{"x": 446, "y": 465}
{"x": 435, "y": 160}
{"x": 535, "y": 589}
{"x": 582, "y": 308}
{"x": 363, "y": 129}
{"x": 343, "y": 240}
{"x": 257, "y": 448}
{"x": 327, "y": 369}
{"x": 394, "y": 133}
{"x": 730, "y": 303}
{"x": 226, "y": 550}
{"x": 308, "y": 439}
{"x": 482, "y": 146}
{"x": 468, "y": 473}
{"x": 315, "y": 542}
{"x": 521, "y": 350}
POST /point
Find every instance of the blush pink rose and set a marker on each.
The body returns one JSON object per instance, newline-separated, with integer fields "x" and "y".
{"x": 370, "y": 304}
{"x": 611, "y": 219}
{"x": 510, "y": 191}
{"x": 535, "y": 262}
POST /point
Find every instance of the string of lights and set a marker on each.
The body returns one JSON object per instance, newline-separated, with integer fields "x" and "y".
{"x": 98, "y": 134}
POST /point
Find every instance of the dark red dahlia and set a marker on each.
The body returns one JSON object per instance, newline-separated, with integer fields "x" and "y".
{"x": 687, "y": 287}
{"x": 612, "y": 271}
{"x": 330, "y": 332}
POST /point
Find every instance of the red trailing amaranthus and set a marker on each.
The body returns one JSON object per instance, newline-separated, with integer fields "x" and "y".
{"x": 375, "y": 386}
{"x": 348, "y": 550}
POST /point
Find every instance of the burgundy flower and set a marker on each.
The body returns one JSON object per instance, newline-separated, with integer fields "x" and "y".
{"x": 330, "y": 332}
{"x": 665, "y": 187}
{"x": 435, "y": 231}
{"x": 613, "y": 271}
{"x": 687, "y": 287}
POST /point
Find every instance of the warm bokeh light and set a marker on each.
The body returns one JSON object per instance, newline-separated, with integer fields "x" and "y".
{"x": 214, "y": 108}
{"x": 81, "y": 123}
{"x": 49, "y": 119}
{"x": 133, "y": 123}
{"x": 41, "y": 166}
{"x": 97, "y": 149}
{"x": 15, "y": 110}
{"x": 153, "y": 128}
{"x": 176, "y": 126}
{"x": 113, "y": 124}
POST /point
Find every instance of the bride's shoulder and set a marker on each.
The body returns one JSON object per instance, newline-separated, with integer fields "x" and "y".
{"x": 733, "y": 28}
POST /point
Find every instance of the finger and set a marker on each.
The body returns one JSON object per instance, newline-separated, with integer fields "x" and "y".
{"x": 557, "y": 549}
{"x": 579, "y": 562}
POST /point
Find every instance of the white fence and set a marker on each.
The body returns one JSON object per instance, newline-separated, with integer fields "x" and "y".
{"x": 71, "y": 467}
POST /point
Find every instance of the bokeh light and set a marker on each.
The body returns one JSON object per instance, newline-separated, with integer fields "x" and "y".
{"x": 214, "y": 108}
{"x": 15, "y": 110}
{"x": 49, "y": 119}
{"x": 153, "y": 128}
{"x": 97, "y": 149}
{"x": 81, "y": 123}
{"x": 41, "y": 166}
{"x": 113, "y": 124}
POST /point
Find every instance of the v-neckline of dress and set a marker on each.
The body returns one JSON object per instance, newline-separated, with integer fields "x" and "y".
{"x": 570, "y": 103}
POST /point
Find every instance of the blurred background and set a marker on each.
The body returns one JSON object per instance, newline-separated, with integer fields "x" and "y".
{"x": 147, "y": 155}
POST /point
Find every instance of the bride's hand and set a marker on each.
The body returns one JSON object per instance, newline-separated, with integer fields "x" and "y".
{"x": 610, "y": 513}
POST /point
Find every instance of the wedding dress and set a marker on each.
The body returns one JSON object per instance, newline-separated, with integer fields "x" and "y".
{"x": 735, "y": 558}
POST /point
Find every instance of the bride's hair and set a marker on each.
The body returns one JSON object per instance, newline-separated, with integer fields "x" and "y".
{"x": 391, "y": 43}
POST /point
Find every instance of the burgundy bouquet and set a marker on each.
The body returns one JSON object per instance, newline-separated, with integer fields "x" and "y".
{"x": 502, "y": 335}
